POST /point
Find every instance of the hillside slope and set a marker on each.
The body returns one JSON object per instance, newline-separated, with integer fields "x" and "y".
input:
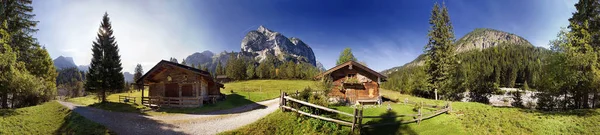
{"x": 45, "y": 119}
{"x": 478, "y": 39}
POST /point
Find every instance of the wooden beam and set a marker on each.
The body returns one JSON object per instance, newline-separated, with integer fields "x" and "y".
{"x": 319, "y": 117}
{"x": 317, "y": 106}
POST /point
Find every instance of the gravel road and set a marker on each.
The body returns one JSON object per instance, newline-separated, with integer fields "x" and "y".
{"x": 197, "y": 124}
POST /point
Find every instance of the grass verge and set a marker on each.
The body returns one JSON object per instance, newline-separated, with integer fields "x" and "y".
{"x": 47, "y": 118}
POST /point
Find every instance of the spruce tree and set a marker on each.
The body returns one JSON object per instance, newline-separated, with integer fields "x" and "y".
{"x": 105, "y": 71}
{"x": 220, "y": 68}
{"x": 19, "y": 26}
{"x": 250, "y": 71}
{"x": 138, "y": 74}
{"x": 439, "y": 50}
{"x": 183, "y": 62}
{"x": 345, "y": 56}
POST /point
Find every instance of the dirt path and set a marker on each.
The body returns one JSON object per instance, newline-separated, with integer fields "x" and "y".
{"x": 208, "y": 123}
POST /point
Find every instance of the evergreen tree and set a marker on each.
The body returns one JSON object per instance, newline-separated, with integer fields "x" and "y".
{"x": 183, "y": 62}
{"x": 439, "y": 50}
{"x": 173, "y": 60}
{"x": 18, "y": 26}
{"x": 137, "y": 75}
{"x": 583, "y": 50}
{"x": 346, "y": 56}
{"x": 250, "y": 71}
{"x": 220, "y": 69}
{"x": 105, "y": 71}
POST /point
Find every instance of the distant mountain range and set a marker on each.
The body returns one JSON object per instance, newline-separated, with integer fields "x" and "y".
{"x": 257, "y": 44}
{"x": 62, "y": 62}
{"x": 477, "y": 39}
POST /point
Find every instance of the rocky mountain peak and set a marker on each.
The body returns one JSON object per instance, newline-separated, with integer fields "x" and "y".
{"x": 483, "y": 38}
{"x": 64, "y": 62}
{"x": 263, "y": 29}
{"x": 261, "y": 42}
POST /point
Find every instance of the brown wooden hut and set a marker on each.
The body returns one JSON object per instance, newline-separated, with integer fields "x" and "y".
{"x": 174, "y": 84}
{"x": 354, "y": 83}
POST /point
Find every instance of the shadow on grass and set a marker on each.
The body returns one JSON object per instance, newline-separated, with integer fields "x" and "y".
{"x": 8, "y": 112}
{"x": 117, "y": 122}
{"x": 393, "y": 128}
{"x": 77, "y": 124}
{"x": 234, "y": 103}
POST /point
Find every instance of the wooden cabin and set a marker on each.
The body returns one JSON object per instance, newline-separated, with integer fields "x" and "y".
{"x": 354, "y": 83}
{"x": 176, "y": 85}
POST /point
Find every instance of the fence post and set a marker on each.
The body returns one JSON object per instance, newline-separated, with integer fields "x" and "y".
{"x": 297, "y": 94}
{"x": 420, "y": 114}
{"x": 360, "y": 114}
{"x": 354, "y": 119}
{"x": 449, "y": 109}
{"x": 281, "y": 99}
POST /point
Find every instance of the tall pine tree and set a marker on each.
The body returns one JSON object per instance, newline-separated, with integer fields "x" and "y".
{"x": 105, "y": 71}
{"x": 138, "y": 74}
{"x": 439, "y": 50}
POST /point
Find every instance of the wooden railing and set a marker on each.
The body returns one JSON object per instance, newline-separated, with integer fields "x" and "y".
{"x": 357, "y": 115}
{"x": 128, "y": 98}
{"x": 173, "y": 101}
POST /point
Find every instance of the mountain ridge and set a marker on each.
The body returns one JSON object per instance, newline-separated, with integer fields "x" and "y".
{"x": 478, "y": 39}
{"x": 257, "y": 44}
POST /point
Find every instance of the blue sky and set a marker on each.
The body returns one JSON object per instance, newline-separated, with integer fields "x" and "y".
{"x": 383, "y": 34}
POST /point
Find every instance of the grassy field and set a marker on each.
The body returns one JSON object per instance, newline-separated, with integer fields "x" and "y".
{"x": 45, "y": 119}
{"x": 244, "y": 92}
{"x": 466, "y": 118}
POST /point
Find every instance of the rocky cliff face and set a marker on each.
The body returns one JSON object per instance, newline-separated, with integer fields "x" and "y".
{"x": 64, "y": 62}
{"x": 477, "y": 39}
{"x": 203, "y": 58}
{"x": 483, "y": 38}
{"x": 258, "y": 43}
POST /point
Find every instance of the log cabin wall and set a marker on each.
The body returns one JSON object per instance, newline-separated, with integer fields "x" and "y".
{"x": 368, "y": 90}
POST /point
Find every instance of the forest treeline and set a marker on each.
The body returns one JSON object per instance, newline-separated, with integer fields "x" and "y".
{"x": 566, "y": 76}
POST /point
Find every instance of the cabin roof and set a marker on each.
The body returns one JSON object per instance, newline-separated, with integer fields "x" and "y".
{"x": 157, "y": 68}
{"x": 354, "y": 65}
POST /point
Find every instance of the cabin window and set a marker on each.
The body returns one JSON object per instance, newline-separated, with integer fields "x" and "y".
{"x": 169, "y": 78}
{"x": 351, "y": 75}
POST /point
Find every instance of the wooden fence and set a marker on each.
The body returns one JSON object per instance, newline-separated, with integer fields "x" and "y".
{"x": 127, "y": 98}
{"x": 172, "y": 101}
{"x": 357, "y": 115}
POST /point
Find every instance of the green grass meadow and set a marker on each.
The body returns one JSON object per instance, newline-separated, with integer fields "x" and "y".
{"x": 244, "y": 93}
{"x": 465, "y": 118}
{"x": 45, "y": 119}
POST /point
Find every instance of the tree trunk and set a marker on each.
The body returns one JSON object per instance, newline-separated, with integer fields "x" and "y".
{"x": 585, "y": 99}
{"x": 5, "y": 100}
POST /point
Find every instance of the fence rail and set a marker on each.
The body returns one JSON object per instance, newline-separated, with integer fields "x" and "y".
{"x": 357, "y": 116}
{"x": 173, "y": 101}
{"x": 126, "y": 98}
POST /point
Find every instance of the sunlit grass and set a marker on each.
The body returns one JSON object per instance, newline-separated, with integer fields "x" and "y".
{"x": 244, "y": 93}
{"x": 45, "y": 119}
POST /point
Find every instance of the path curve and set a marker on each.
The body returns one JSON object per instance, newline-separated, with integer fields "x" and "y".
{"x": 197, "y": 124}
